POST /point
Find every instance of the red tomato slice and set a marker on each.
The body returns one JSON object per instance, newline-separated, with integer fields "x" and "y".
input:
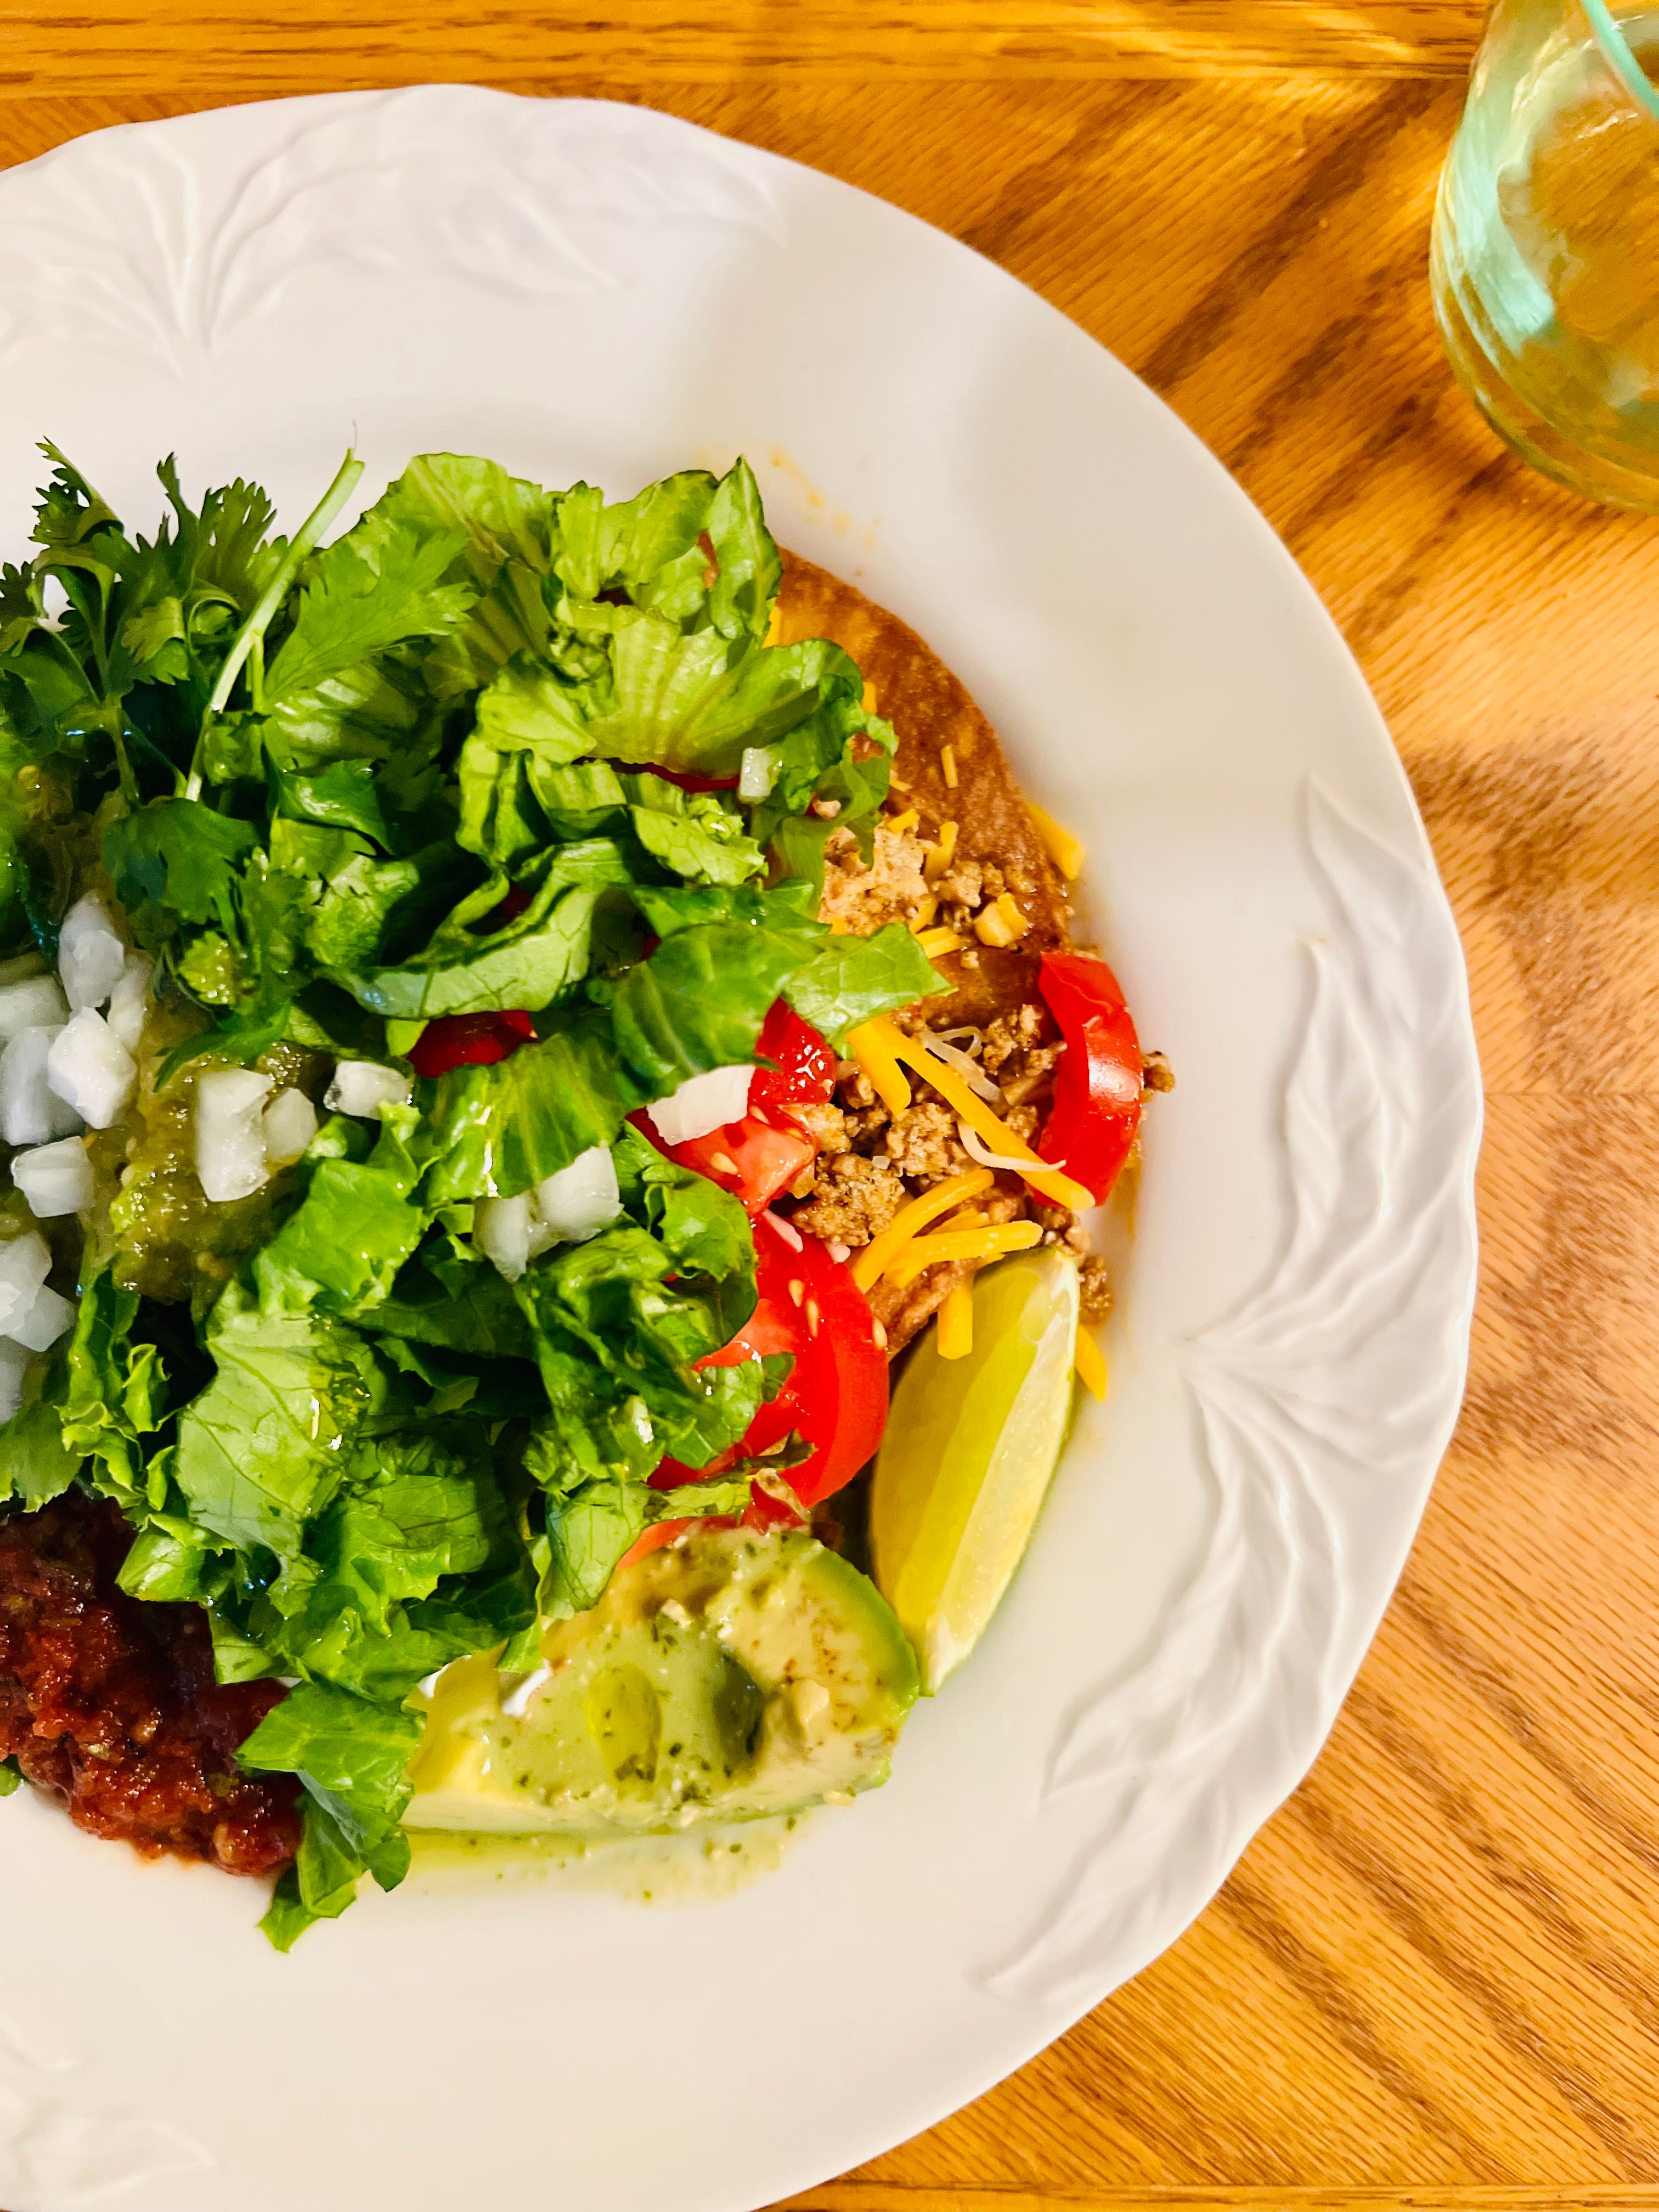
{"x": 835, "y": 1397}
{"x": 806, "y": 1071}
{"x": 754, "y": 1159}
{"x": 687, "y": 781}
{"x": 469, "y": 1040}
{"x": 1096, "y": 1108}
{"x": 758, "y": 1158}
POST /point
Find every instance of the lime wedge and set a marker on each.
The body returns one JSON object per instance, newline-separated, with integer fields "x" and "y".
{"x": 970, "y": 1447}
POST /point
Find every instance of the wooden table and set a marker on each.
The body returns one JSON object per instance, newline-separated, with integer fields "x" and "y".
{"x": 1434, "y": 1979}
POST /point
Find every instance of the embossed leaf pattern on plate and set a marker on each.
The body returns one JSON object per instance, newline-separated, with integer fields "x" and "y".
{"x": 58, "y": 2152}
{"x": 1319, "y": 1379}
{"x": 125, "y": 247}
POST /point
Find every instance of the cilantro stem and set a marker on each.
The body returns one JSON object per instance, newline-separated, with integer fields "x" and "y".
{"x": 253, "y": 632}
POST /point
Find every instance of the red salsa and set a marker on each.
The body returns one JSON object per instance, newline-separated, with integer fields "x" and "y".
{"x": 109, "y": 1704}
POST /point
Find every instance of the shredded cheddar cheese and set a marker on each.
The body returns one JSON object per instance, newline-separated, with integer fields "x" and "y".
{"x": 840, "y": 926}
{"x": 925, "y": 914}
{"x": 956, "y": 1323}
{"x": 1091, "y": 1361}
{"x": 867, "y": 702}
{"x": 991, "y": 1240}
{"x": 1059, "y": 1189}
{"x": 1063, "y": 849}
{"x": 902, "y": 825}
{"x": 774, "y": 626}
{"x": 1003, "y": 922}
{"x": 872, "y": 1046}
{"x": 936, "y": 943}
{"x": 872, "y": 1263}
{"x": 940, "y": 854}
{"x": 947, "y": 761}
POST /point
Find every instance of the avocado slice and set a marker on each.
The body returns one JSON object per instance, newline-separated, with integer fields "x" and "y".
{"x": 737, "y": 1675}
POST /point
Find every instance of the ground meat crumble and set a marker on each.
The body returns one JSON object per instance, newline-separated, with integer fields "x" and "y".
{"x": 109, "y": 1704}
{"x": 891, "y": 888}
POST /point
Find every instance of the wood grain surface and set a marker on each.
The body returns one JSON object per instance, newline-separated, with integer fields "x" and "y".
{"x": 1433, "y": 1982}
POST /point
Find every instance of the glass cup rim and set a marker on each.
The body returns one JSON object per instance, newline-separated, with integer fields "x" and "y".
{"x": 1620, "y": 57}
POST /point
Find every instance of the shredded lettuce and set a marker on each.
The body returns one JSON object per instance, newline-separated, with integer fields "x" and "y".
{"x": 477, "y": 755}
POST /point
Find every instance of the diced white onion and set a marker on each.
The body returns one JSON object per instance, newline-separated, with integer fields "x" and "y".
{"x": 290, "y": 1123}
{"x": 501, "y": 1230}
{"x": 230, "y": 1137}
{"x": 576, "y": 1203}
{"x": 130, "y": 1000}
{"x": 14, "y": 1363}
{"x": 47, "y": 1320}
{"x": 965, "y": 1066}
{"x": 90, "y": 954}
{"x": 758, "y": 772}
{"x": 37, "y": 1003}
{"x": 25, "y": 1263}
{"x": 976, "y": 1149}
{"x": 363, "y": 1086}
{"x": 54, "y": 1179}
{"x": 31, "y": 1113}
{"x": 90, "y": 1069}
{"x": 701, "y": 1103}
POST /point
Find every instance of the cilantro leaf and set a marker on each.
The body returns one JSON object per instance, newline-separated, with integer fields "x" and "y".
{"x": 373, "y": 588}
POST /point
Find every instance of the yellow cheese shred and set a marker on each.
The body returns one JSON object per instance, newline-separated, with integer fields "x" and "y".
{"x": 940, "y": 854}
{"x": 956, "y": 1323}
{"x": 774, "y": 624}
{"x": 902, "y": 825}
{"x": 936, "y": 943}
{"x": 1091, "y": 1370}
{"x": 987, "y": 1242}
{"x": 1062, "y": 848}
{"x": 872, "y": 1263}
{"x": 1004, "y": 922}
{"x": 923, "y": 918}
{"x": 872, "y": 1046}
{"x": 1059, "y": 1189}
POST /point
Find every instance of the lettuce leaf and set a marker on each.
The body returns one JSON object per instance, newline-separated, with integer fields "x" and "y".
{"x": 262, "y": 1448}
{"x": 699, "y": 1001}
{"x": 351, "y": 1757}
{"x": 699, "y": 837}
{"x": 617, "y": 1340}
{"x": 850, "y": 980}
{"x": 496, "y": 1131}
{"x": 589, "y": 1529}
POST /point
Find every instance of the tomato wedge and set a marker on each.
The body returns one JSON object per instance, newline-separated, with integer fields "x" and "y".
{"x": 755, "y": 1160}
{"x": 1098, "y": 1079}
{"x": 805, "y": 1074}
{"x": 835, "y": 1397}
{"x": 758, "y": 1157}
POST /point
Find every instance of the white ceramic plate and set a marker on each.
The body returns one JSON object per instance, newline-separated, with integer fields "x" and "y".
{"x": 583, "y": 290}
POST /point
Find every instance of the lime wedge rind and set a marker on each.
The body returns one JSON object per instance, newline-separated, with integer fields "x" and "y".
{"x": 970, "y": 1449}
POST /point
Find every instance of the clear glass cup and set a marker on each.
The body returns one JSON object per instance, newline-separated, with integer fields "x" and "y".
{"x": 1546, "y": 254}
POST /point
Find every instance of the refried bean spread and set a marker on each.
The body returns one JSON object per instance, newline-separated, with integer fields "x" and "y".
{"x": 111, "y": 1704}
